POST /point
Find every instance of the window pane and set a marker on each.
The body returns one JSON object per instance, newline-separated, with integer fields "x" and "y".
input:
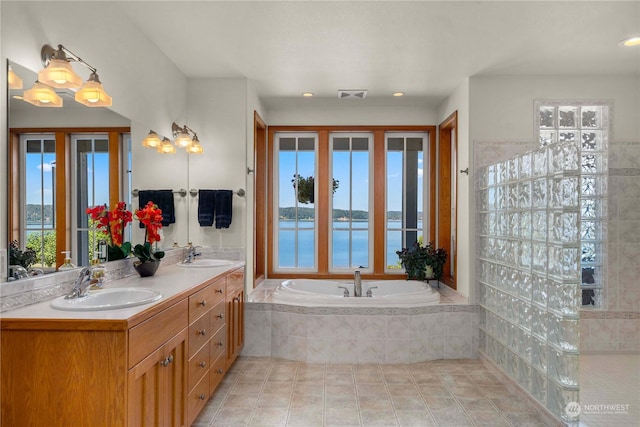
{"x": 296, "y": 204}
{"x": 350, "y": 166}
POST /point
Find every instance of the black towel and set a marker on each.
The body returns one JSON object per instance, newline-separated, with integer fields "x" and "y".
{"x": 224, "y": 207}
{"x": 164, "y": 200}
{"x": 206, "y": 207}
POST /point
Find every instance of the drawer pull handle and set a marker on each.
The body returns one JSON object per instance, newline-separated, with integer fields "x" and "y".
{"x": 220, "y": 371}
{"x": 202, "y": 332}
{"x": 203, "y": 303}
{"x": 167, "y": 361}
{"x": 202, "y": 364}
{"x": 219, "y": 291}
{"x": 220, "y": 316}
{"x": 202, "y": 397}
{"x": 219, "y": 343}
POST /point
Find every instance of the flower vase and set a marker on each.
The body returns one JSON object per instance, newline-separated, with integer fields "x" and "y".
{"x": 146, "y": 269}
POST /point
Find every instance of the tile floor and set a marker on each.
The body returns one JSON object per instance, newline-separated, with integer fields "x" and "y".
{"x": 264, "y": 391}
{"x": 610, "y": 390}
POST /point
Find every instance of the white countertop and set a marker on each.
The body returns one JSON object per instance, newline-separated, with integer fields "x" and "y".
{"x": 169, "y": 280}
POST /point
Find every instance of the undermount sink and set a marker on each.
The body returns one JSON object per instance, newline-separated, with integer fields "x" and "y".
{"x": 204, "y": 263}
{"x": 108, "y": 299}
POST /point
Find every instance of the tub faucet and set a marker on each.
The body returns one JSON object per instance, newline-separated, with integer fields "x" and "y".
{"x": 357, "y": 284}
{"x": 81, "y": 286}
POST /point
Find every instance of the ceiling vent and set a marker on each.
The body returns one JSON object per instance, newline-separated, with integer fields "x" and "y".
{"x": 352, "y": 94}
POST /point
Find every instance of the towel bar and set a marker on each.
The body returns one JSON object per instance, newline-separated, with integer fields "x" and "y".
{"x": 240, "y": 192}
{"x": 182, "y": 192}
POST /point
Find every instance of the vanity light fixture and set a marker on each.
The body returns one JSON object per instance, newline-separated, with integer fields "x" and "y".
{"x": 166, "y": 147}
{"x": 14, "y": 80}
{"x": 152, "y": 140}
{"x": 42, "y": 95}
{"x": 59, "y": 73}
{"x": 183, "y": 139}
{"x": 195, "y": 147}
{"x": 631, "y": 41}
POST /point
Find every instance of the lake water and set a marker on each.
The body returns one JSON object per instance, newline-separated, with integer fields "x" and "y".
{"x": 360, "y": 247}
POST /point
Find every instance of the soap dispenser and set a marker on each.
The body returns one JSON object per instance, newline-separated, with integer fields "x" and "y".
{"x": 98, "y": 272}
{"x": 67, "y": 265}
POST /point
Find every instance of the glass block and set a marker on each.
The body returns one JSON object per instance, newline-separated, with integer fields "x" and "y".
{"x": 513, "y": 224}
{"x": 524, "y": 344}
{"x": 590, "y": 208}
{"x": 512, "y": 364}
{"x": 570, "y": 263}
{"x": 539, "y": 257}
{"x": 554, "y": 267}
{"x": 567, "y": 136}
{"x": 524, "y": 285}
{"x": 501, "y": 173}
{"x": 501, "y": 224}
{"x": 524, "y": 318}
{"x": 524, "y": 195}
{"x": 483, "y": 224}
{"x": 566, "y": 299}
{"x": 559, "y": 399}
{"x": 491, "y": 198}
{"x": 539, "y": 193}
{"x": 588, "y": 253}
{"x": 525, "y": 225}
{"x": 512, "y": 169}
{"x": 591, "y": 117}
{"x": 539, "y": 290}
{"x": 547, "y": 117}
{"x": 525, "y": 165}
{"x": 571, "y": 156}
{"x": 539, "y": 162}
{"x": 491, "y": 224}
{"x": 556, "y": 158}
{"x": 539, "y": 225}
{"x": 590, "y": 185}
{"x": 525, "y": 254}
{"x": 563, "y": 332}
{"x": 482, "y": 178}
{"x": 502, "y": 329}
{"x": 539, "y": 353}
{"x": 500, "y": 202}
{"x": 513, "y": 335}
{"x": 512, "y": 196}
{"x": 483, "y": 200}
{"x": 568, "y": 117}
{"x": 510, "y": 252}
{"x": 563, "y": 227}
{"x": 591, "y": 163}
{"x": 539, "y": 386}
{"x": 514, "y": 280}
{"x": 524, "y": 374}
{"x": 491, "y": 175}
{"x": 548, "y": 137}
{"x": 570, "y": 192}
{"x": 539, "y": 322}
{"x": 591, "y": 140}
{"x": 563, "y": 367}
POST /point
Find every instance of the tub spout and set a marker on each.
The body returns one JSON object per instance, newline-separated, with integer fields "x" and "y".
{"x": 357, "y": 284}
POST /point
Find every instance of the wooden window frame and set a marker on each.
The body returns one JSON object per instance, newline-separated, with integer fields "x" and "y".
{"x": 63, "y": 178}
{"x": 322, "y": 176}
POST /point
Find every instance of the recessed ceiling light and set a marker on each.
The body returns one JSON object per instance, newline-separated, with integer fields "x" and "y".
{"x": 398, "y": 93}
{"x": 307, "y": 94}
{"x": 631, "y": 41}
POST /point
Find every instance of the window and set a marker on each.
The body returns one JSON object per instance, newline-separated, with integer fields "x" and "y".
{"x": 55, "y": 175}
{"x": 343, "y": 197}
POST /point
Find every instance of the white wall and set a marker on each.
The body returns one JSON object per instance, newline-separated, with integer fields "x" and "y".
{"x": 146, "y": 87}
{"x": 459, "y": 101}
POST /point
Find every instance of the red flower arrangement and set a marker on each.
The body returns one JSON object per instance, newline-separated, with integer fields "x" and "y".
{"x": 113, "y": 222}
{"x": 151, "y": 217}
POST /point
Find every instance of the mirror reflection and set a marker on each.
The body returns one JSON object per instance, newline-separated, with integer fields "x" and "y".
{"x": 61, "y": 162}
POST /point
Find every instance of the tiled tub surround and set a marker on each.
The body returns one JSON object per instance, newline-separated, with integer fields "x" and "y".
{"x": 20, "y": 293}
{"x": 360, "y": 334}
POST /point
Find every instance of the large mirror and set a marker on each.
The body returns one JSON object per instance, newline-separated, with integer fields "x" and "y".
{"x": 61, "y": 161}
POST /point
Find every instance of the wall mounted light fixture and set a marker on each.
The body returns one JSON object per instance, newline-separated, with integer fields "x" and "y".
{"x": 58, "y": 73}
{"x": 182, "y": 138}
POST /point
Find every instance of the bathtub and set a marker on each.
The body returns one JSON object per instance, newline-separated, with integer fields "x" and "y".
{"x": 385, "y": 293}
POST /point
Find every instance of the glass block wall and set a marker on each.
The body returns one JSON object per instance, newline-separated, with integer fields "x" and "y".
{"x": 529, "y": 239}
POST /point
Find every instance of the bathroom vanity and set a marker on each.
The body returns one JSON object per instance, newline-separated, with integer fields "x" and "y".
{"x": 150, "y": 365}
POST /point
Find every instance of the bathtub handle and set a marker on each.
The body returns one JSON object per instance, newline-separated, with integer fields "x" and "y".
{"x": 369, "y": 292}
{"x": 346, "y": 290}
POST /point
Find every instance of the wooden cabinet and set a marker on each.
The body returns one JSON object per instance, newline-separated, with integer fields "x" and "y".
{"x": 235, "y": 315}
{"x": 158, "y": 368}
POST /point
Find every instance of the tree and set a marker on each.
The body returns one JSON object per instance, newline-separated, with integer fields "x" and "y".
{"x": 45, "y": 253}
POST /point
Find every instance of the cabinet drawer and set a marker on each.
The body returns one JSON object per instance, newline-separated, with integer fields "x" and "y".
{"x": 217, "y": 343}
{"x": 235, "y": 281}
{"x": 217, "y": 316}
{"x": 197, "y": 399}
{"x": 217, "y": 373}
{"x": 199, "y": 334}
{"x": 203, "y": 300}
{"x": 198, "y": 366}
{"x": 154, "y": 332}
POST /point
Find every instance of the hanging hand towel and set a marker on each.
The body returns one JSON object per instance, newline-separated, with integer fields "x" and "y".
{"x": 206, "y": 206}
{"x": 164, "y": 200}
{"x": 224, "y": 208}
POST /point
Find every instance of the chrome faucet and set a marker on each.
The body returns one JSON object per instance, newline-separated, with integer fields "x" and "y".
{"x": 191, "y": 254}
{"x": 81, "y": 286}
{"x": 346, "y": 291}
{"x": 370, "y": 291}
{"x": 357, "y": 284}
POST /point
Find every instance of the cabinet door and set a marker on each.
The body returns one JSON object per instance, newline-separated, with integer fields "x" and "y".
{"x": 235, "y": 326}
{"x": 157, "y": 386}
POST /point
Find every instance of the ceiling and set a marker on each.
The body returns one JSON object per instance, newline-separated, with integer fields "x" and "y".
{"x": 423, "y": 48}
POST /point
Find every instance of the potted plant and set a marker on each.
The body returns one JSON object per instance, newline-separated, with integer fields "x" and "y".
{"x": 423, "y": 262}
{"x": 148, "y": 260}
{"x": 304, "y": 188}
{"x": 112, "y": 223}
